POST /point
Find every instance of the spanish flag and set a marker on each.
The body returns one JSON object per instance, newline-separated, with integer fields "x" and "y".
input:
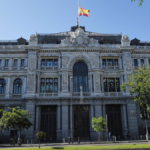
{"x": 83, "y": 12}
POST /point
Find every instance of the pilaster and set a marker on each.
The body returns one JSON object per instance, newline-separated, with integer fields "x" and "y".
{"x": 19, "y": 63}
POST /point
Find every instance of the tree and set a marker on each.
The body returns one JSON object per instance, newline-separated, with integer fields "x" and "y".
{"x": 139, "y": 1}
{"x": 16, "y": 119}
{"x": 98, "y": 125}
{"x": 139, "y": 86}
{"x": 41, "y": 135}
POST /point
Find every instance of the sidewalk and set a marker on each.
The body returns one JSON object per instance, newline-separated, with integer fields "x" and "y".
{"x": 135, "y": 142}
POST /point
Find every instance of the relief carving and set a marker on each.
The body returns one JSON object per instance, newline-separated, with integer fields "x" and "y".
{"x": 65, "y": 61}
{"x": 65, "y": 81}
{"x": 95, "y": 61}
{"x": 128, "y": 64}
{"x": 31, "y": 75}
{"x": 97, "y": 81}
{"x": 79, "y": 38}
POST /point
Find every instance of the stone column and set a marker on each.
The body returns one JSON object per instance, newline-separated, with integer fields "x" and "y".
{"x": 121, "y": 80}
{"x": 59, "y": 83}
{"x": 102, "y": 83}
{"x": 39, "y": 63}
{"x": 104, "y": 116}
{"x": 8, "y": 87}
{"x": 59, "y": 62}
{"x": 37, "y": 118}
{"x": 139, "y": 63}
{"x": 38, "y": 84}
{"x": 120, "y": 64}
{"x": 19, "y": 63}
{"x": 91, "y": 87}
{"x": 92, "y": 114}
{"x": 10, "y": 64}
{"x": 65, "y": 121}
{"x": 125, "y": 116}
{"x": 58, "y": 124}
{"x": 100, "y": 63}
{"x": 30, "y": 107}
{"x": 146, "y": 62}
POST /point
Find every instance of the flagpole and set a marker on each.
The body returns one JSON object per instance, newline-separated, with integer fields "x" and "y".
{"x": 78, "y": 13}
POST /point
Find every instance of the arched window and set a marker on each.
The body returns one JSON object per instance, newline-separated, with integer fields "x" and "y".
{"x": 80, "y": 77}
{"x": 17, "y": 86}
{"x": 2, "y": 86}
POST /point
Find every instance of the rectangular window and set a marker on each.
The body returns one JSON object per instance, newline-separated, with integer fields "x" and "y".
{"x": 110, "y": 62}
{"x": 149, "y": 61}
{"x": 111, "y": 84}
{"x": 0, "y": 63}
{"x": 142, "y": 62}
{"x": 43, "y": 63}
{"x": 15, "y": 62}
{"x": 49, "y": 85}
{"x": 135, "y": 63}
{"x": 49, "y": 62}
{"x": 6, "y": 63}
{"x": 55, "y": 62}
{"x": 22, "y": 63}
{"x": 104, "y": 62}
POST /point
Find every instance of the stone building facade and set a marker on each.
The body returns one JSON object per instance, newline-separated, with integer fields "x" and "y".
{"x": 44, "y": 76}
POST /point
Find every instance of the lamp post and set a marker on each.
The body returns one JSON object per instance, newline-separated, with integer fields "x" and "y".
{"x": 71, "y": 110}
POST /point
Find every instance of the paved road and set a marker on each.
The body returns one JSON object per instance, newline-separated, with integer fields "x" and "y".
{"x": 135, "y": 142}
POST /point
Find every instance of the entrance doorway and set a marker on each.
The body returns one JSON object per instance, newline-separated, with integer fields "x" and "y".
{"x": 48, "y": 122}
{"x": 114, "y": 120}
{"x": 81, "y": 122}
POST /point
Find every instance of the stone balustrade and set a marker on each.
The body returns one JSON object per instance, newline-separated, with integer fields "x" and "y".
{"x": 113, "y": 94}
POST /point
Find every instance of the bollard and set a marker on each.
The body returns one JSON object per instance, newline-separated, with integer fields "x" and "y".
{"x": 27, "y": 142}
{"x": 63, "y": 140}
{"x": 69, "y": 140}
{"x": 78, "y": 140}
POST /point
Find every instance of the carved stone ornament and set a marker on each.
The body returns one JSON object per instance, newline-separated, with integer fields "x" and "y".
{"x": 125, "y": 38}
{"x": 97, "y": 81}
{"x": 65, "y": 81}
{"x": 31, "y": 72}
{"x": 79, "y": 38}
{"x": 33, "y": 38}
{"x": 132, "y": 113}
{"x": 65, "y": 61}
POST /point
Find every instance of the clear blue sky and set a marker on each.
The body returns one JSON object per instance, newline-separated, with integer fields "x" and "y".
{"x": 25, "y": 17}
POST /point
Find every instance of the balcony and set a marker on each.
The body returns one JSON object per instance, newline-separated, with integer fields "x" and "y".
{"x": 78, "y": 94}
{"x": 2, "y": 95}
{"x": 111, "y": 67}
{"x": 16, "y": 95}
{"x": 113, "y": 93}
{"x": 48, "y": 94}
{"x": 49, "y": 68}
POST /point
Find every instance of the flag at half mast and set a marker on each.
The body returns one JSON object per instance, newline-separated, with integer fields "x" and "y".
{"x": 83, "y": 12}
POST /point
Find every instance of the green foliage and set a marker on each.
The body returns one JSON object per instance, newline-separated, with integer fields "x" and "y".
{"x": 139, "y": 86}
{"x": 140, "y": 2}
{"x": 16, "y": 119}
{"x": 41, "y": 135}
{"x": 98, "y": 124}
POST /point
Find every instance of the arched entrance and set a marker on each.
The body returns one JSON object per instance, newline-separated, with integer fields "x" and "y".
{"x": 80, "y": 77}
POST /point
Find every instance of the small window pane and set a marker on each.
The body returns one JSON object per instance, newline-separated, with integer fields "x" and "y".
{"x": 48, "y": 62}
{"x": 6, "y": 63}
{"x": 135, "y": 63}
{"x": 142, "y": 62}
{"x": 51, "y": 62}
{"x": 22, "y": 62}
{"x": 15, "y": 63}
{"x": 116, "y": 62}
{"x": 104, "y": 62}
{"x": 55, "y": 62}
{"x": 43, "y": 62}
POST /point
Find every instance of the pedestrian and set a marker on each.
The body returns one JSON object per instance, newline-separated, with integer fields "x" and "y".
{"x": 109, "y": 136}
